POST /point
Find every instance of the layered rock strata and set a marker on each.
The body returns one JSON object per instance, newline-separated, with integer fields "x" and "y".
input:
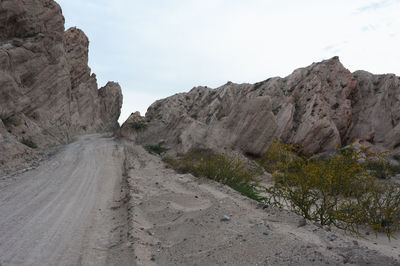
{"x": 317, "y": 107}
{"x": 47, "y": 92}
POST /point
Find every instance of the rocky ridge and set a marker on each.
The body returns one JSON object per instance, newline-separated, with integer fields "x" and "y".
{"x": 318, "y": 107}
{"x": 47, "y": 92}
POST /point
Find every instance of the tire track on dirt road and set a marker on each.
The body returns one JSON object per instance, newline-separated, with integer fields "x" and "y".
{"x": 68, "y": 211}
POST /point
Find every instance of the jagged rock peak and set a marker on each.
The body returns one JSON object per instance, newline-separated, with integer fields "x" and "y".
{"x": 318, "y": 107}
{"x": 48, "y": 93}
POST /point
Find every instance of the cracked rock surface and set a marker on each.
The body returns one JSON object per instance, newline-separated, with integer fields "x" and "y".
{"x": 317, "y": 107}
{"x": 48, "y": 94}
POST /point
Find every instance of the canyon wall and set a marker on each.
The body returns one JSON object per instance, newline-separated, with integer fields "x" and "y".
{"x": 48, "y": 94}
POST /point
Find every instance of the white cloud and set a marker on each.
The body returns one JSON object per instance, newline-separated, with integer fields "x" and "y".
{"x": 158, "y": 48}
{"x": 376, "y": 5}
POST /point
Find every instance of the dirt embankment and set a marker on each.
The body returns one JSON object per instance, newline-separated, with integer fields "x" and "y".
{"x": 176, "y": 220}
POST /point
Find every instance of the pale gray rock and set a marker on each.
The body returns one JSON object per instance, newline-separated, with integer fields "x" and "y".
{"x": 13, "y": 152}
{"x": 110, "y": 105}
{"x": 48, "y": 94}
{"x": 376, "y": 109}
{"x": 127, "y": 130}
{"x": 318, "y": 107}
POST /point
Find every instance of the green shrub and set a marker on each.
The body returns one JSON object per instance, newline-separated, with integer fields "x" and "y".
{"x": 9, "y": 121}
{"x": 337, "y": 191}
{"x": 276, "y": 110}
{"x": 382, "y": 169}
{"x": 396, "y": 157}
{"x": 378, "y": 207}
{"x": 155, "y": 149}
{"x": 29, "y": 143}
{"x": 139, "y": 125}
{"x": 335, "y": 106}
{"x": 381, "y": 208}
{"x": 393, "y": 169}
{"x": 378, "y": 170}
{"x": 221, "y": 168}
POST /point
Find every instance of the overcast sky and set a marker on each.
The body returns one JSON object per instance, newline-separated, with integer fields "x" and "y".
{"x": 160, "y": 47}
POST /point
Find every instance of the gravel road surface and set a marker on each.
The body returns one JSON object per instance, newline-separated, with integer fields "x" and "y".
{"x": 68, "y": 211}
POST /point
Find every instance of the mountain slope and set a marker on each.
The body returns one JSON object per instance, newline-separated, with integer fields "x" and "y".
{"x": 318, "y": 107}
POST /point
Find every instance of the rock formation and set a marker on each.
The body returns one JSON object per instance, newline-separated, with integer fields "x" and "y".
{"x": 47, "y": 92}
{"x": 318, "y": 107}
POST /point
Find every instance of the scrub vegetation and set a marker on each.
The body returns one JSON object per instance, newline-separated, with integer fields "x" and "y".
{"x": 342, "y": 190}
{"x": 229, "y": 170}
{"x": 29, "y": 143}
{"x": 155, "y": 149}
{"x": 139, "y": 125}
{"x": 347, "y": 190}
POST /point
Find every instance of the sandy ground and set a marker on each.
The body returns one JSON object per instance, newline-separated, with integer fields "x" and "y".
{"x": 69, "y": 210}
{"x": 176, "y": 220}
{"x": 102, "y": 202}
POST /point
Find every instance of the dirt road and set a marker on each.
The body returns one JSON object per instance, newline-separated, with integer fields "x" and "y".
{"x": 102, "y": 202}
{"x": 68, "y": 211}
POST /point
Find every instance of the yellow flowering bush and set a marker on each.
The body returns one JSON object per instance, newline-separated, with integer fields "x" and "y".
{"x": 339, "y": 190}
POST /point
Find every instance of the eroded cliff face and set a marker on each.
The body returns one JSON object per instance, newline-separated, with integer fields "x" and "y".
{"x": 47, "y": 92}
{"x": 318, "y": 107}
